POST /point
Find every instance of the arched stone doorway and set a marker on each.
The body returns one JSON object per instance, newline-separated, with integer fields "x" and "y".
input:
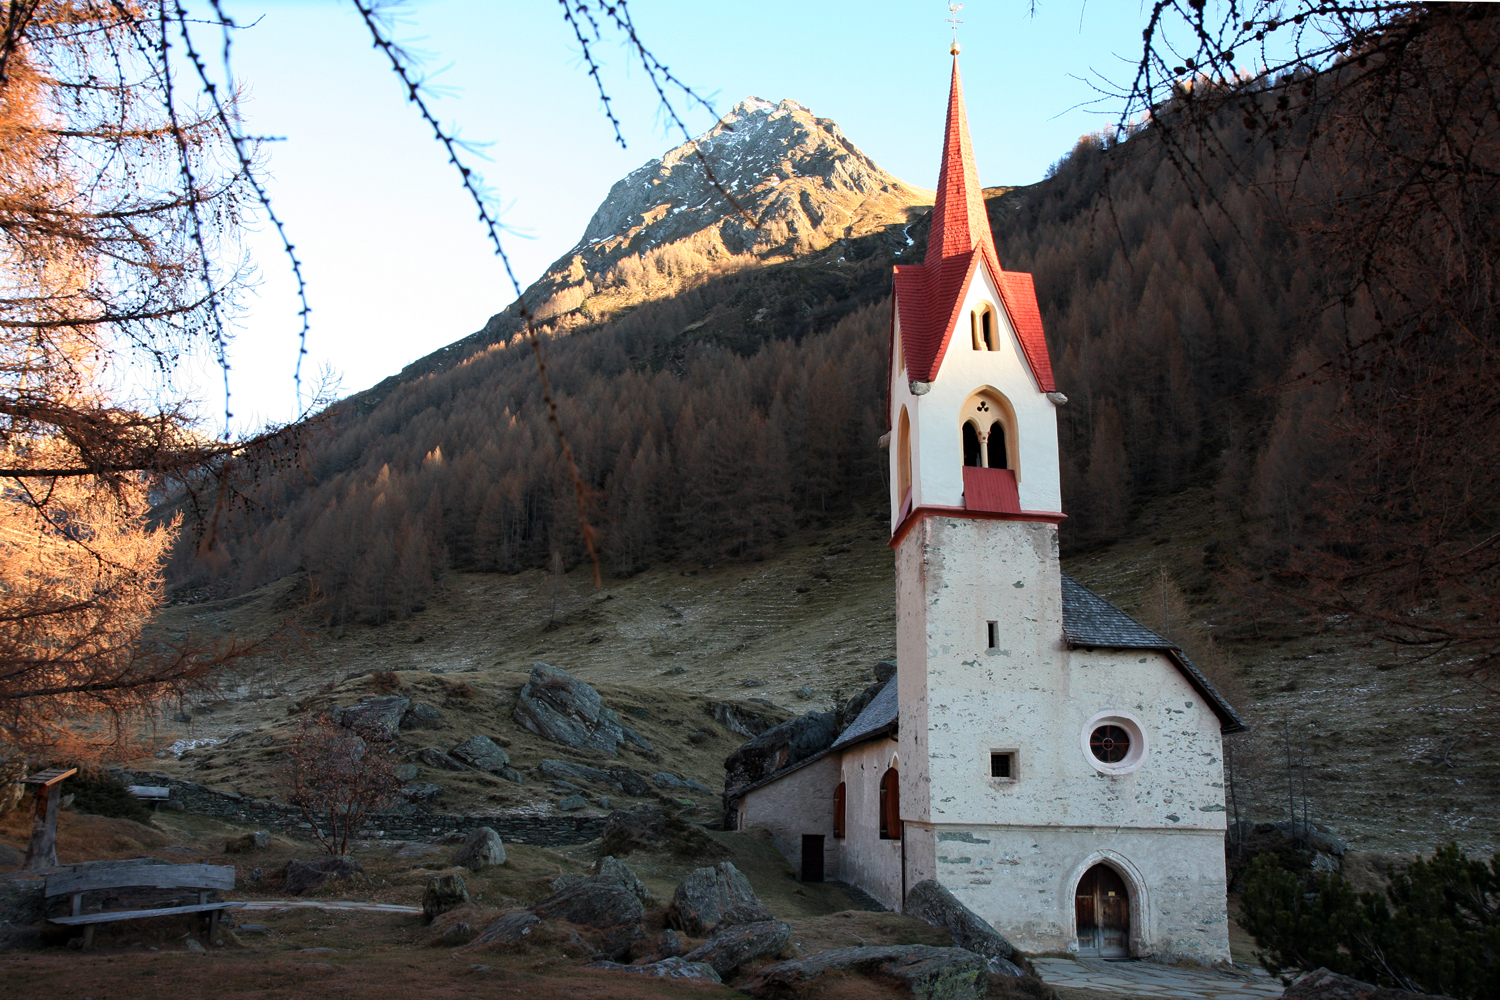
{"x": 1102, "y": 909}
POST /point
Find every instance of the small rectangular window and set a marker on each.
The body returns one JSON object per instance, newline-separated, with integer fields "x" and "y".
{"x": 992, "y": 633}
{"x": 1003, "y": 764}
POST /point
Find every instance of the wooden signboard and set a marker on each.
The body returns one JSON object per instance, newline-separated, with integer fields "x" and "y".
{"x": 46, "y": 786}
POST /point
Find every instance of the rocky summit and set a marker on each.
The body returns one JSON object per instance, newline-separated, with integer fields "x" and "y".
{"x": 784, "y": 183}
{"x": 768, "y": 182}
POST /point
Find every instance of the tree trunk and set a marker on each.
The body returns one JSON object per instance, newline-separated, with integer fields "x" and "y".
{"x": 41, "y": 853}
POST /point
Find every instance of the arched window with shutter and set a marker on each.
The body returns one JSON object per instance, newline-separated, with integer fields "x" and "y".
{"x": 890, "y": 805}
{"x": 838, "y": 810}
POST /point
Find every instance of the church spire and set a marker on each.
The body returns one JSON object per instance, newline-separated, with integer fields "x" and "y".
{"x": 959, "y": 221}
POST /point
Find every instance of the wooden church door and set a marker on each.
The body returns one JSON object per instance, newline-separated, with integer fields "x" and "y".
{"x": 1102, "y": 907}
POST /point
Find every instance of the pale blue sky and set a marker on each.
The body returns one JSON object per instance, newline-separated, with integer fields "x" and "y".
{"x": 397, "y": 264}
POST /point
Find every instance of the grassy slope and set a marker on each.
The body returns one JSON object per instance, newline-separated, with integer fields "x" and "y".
{"x": 818, "y": 614}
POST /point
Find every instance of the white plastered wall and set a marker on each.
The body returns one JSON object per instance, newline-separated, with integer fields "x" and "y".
{"x": 961, "y": 700}
{"x": 864, "y": 859}
{"x": 936, "y": 419}
{"x": 796, "y": 804}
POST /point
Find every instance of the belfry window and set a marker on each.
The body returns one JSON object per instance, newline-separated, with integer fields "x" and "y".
{"x": 994, "y": 446}
{"x": 973, "y": 452}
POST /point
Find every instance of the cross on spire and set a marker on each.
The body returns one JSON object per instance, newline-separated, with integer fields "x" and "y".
{"x": 953, "y": 19}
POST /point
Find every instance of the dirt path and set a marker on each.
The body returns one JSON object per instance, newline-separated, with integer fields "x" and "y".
{"x": 323, "y": 904}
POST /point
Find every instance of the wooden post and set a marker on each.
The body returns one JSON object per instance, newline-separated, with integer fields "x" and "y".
{"x": 41, "y": 853}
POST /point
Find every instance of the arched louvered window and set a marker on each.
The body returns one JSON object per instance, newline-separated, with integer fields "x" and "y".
{"x": 994, "y": 446}
{"x": 838, "y": 810}
{"x": 890, "y": 805}
{"x": 973, "y": 450}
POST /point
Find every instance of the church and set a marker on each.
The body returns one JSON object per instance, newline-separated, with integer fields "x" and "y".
{"x": 1053, "y": 763}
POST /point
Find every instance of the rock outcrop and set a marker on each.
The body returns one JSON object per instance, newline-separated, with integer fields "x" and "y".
{"x": 559, "y": 707}
{"x": 714, "y": 897}
{"x": 734, "y": 944}
{"x": 480, "y": 850}
{"x": 376, "y": 717}
{"x": 1321, "y": 984}
{"x": 666, "y": 968}
{"x": 482, "y": 753}
{"x": 444, "y": 893}
{"x": 603, "y": 903}
{"x": 929, "y": 901}
{"x": 928, "y": 973}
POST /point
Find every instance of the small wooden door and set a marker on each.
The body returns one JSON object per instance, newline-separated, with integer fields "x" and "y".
{"x": 812, "y": 857}
{"x": 1102, "y": 907}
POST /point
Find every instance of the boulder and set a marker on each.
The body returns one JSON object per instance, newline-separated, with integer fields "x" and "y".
{"x": 737, "y": 717}
{"x": 711, "y": 897}
{"x": 928, "y": 973}
{"x": 572, "y": 803}
{"x": 458, "y": 933}
{"x": 666, "y": 968}
{"x": 931, "y": 902}
{"x": 630, "y": 783}
{"x": 603, "y": 904}
{"x": 733, "y": 945}
{"x": 1321, "y": 984}
{"x": 483, "y": 753}
{"x": 249, "y": 842}
{"x": 664, "y": 779}
{"x": 614, "y": 868}
{"x": 419, "y": 791}
{"x": 778, "y": 748}
{"x": 375, "y": 717}
{"x": 305, "y": 876}
{"x": 562, "y": 770}
{"x": 406, "y": 772}
{"x": 670, "y": 944}
{"x": 849, "y": 710}
{"x": 507, "y": 930}
{"x": 433, "y": 757}
{"x": 511, "y": 774}
{"x": 559, "y": 707}
{"x": 481, "y": 849}
{"x": 419, "y": 715}
{"x": 444, "y": 893}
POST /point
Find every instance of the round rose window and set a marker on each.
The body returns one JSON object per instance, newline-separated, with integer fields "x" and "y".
{"x": 1110, "y": 744}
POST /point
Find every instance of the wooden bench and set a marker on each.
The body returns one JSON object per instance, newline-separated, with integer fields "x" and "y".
{"x": 203, "y": 878}
{"x": 154, "y": 794}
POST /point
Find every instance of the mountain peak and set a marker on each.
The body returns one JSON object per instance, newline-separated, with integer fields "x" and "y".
{"x": 793, "y": 184}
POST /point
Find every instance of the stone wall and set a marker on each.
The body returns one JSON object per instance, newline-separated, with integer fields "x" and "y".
{"x": 414, "y": 825}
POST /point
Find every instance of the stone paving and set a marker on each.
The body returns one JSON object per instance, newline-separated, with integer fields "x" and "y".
{"x": 1146, "y": 979}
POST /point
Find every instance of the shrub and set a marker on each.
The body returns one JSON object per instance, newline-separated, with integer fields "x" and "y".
{"x": 1435, "y": 930}
{"x": 102, "y": 794}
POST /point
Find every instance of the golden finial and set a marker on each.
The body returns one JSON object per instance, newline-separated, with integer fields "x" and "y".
{"x": 953, "y": 9}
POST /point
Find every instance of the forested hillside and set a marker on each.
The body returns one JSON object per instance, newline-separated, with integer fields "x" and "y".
{"x": 725, "y": 400}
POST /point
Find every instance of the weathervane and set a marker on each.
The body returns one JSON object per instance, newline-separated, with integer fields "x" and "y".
{"x": 953, "y": 9}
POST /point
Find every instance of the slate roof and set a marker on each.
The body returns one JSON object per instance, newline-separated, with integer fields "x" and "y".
{"x": 928, "y": 294}
{"x": 878, "y": 718}
{"x": 1090, "y": 620}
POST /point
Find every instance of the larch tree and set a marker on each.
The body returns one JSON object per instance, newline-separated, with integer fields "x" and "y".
{"x": 116, "y": 201}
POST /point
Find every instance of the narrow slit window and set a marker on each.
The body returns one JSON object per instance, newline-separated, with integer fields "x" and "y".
{"x": 992, "y": 634}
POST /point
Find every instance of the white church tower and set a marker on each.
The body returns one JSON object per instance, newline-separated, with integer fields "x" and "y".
{"x": 1053, "y": 763}
{"x": 1034, "y": 770}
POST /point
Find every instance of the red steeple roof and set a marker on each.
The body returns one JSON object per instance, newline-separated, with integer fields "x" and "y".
{"x": 959, "y": 221}
{"x": 928, "y": 295}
